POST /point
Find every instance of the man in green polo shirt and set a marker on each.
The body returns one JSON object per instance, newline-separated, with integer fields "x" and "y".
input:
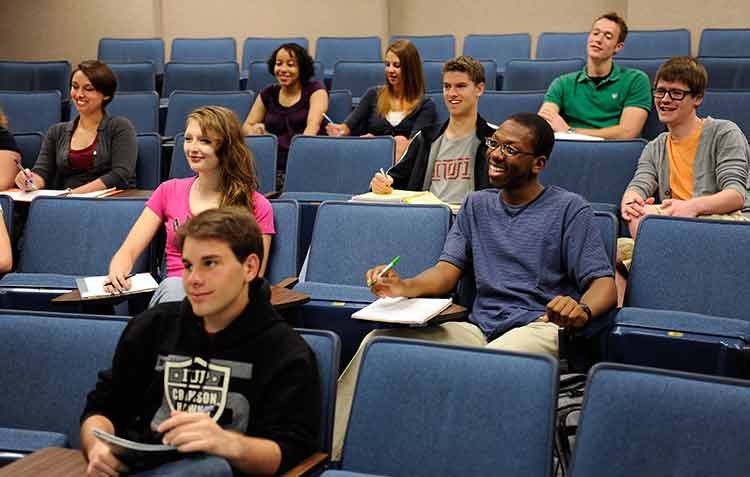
{"x": 602, "y": 99}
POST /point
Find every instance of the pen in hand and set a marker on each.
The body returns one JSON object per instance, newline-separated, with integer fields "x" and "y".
{"x": 328, "y": 118}
{"x": 384, "y": 271}
{"x": 29, "y": 179}
{"x": 109, "y": 283}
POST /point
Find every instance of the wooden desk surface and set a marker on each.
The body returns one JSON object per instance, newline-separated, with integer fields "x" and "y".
{"x": 50, "y": 462}
{"x": 281, "y": 298}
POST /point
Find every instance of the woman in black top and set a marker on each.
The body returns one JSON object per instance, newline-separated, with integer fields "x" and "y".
{"x": 398, "y": 108}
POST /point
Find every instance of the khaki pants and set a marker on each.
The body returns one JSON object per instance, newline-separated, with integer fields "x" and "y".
{"x": 536, "y": 337}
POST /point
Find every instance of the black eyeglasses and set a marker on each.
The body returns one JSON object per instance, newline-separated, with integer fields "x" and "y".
{"x": 506, "y": 149}
{"x": 675, "y": 94}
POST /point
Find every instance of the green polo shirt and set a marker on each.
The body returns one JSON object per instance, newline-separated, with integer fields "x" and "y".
{"x": 584, "y": 104}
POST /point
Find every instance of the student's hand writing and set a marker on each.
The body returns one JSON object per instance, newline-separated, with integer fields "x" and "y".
{"x": 381, "y": 184}
{"x": 389, "y": 285}
{"x": 195, "y": 432}
{"x": 26, "y": 180}
{"x": 633, "y": 206}
{"x": 118, "y": 272}
{"x": 102, "y": 462}
{"x": 335, "y": 129}
{"x": 564, "y": 311}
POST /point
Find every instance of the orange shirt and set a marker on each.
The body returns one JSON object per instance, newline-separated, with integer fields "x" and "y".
{"x": 681, "y": 156}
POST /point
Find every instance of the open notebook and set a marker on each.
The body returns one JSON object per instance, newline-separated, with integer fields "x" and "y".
{"x": 20, "y": 196}
{"x": 405, "y": 197}
{"x": 93, "y": 287}
{"x": 400, "y": 310}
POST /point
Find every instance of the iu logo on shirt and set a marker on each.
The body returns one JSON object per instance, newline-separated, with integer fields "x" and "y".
{"x": 193, "y": 385}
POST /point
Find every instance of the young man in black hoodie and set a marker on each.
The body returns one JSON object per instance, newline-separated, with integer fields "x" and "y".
{"x": 219, "y": 375}
{"x": 447, "y": 159}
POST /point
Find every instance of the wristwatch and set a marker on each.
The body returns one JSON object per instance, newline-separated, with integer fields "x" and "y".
{"x": 586, "y": 310}
{"x": 571, "y": 130}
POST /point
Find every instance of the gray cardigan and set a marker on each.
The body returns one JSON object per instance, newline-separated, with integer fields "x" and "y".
{"x": 114, "y": 159}
{"x": 722, "y": 161}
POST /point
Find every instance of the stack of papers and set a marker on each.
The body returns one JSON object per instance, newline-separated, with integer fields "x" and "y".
{"x": 407, "y": 311}
{"x": 93, "y": 287}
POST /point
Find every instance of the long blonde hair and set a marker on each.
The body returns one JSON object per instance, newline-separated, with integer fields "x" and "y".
{"x": 236, "y": 161}
{"x": 412, "y": 78}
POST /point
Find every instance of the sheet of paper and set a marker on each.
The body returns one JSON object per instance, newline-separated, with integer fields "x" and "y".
{"x": 21, "y": 196}
{"x": 397, "y": 195}
{"x": 410, "y": 311}
{"x": 96, "y": 193}
{"x": 576, "y": 137}
{"x": 94, "y": 286}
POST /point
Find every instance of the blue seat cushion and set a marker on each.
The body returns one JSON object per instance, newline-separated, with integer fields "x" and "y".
{"x": 314, "y": 196}
{"x": 27, "y": 441}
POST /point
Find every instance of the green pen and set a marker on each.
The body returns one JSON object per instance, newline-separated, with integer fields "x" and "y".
{"x": 382, "y": 272}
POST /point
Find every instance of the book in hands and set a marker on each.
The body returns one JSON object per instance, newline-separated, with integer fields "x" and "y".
{"x": 406, "y": 311}
{"x": 93, "y": 287}
{"x": 137, "y": 455}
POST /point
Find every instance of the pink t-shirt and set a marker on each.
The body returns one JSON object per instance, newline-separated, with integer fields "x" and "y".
{"x": 171, "y": 202}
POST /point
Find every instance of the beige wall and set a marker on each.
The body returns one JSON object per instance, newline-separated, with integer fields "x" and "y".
{"x": 68, "y": 29}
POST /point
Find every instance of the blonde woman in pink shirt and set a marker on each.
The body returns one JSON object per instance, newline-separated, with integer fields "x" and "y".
{"x": 225, "y": 168}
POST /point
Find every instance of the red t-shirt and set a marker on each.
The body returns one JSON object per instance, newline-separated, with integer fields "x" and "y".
{"x": 83, "y": 159}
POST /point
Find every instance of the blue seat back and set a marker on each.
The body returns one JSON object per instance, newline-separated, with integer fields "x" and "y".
{"x": 530, "y": 75}
{"x": 266, "y": 150}
{"x": 133, "y": 50}
{"x": 649, "y": 422}
{"x": 598, "y": 170}
{"x": 203, "y": 49}
{"x": 181, "y": 103}
{"x": 51, "y": 362}
{"x": 148, "y": 167}
{"x": 648, "y": 65}
{"x": 727, "y": 73}
{"x": 36, "y": 76}
{"x": 7, "y": 204}
{"x": 442, "y": 110}
{"x": 433, "y": 75}
{"x": 31, "y": 111}
{"x": 141, "y": 108}
{"x": 327, "y": 348}
{"x": 261, "y": 48}
{"x": 329, "y": 50}
{"x": 431, "y": 47}
{"x": 201, "y": 77}
{"x": 500, "y": 48}
{"x": 409, "y": 393}
{"x": 687, "y": 265}
{"x": 259, "y": 77}
{"x": 283, "y": 259}
{"x": 727, "y": 42}
{"x": 553, "y": 45}
{"x": 496, "y": 106}
{"x": 725, "y": 104}
{"x": 134, "y": 76}
{"x": 339, "y": 104}
{"x": 30, "y": 144}
{"x": 357, "y": 76}
{"x": 656, "y": 44}
{"x": 340, "y": 165}
{"x": 87, "y": 233}
{"x": 348, "y": 240}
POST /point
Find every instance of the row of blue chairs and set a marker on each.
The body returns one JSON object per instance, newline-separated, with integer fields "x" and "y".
{"x": 422, "y": 409}
{"x": 500, "y": 48}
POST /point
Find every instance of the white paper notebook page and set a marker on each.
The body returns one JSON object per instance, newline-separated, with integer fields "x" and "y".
{"x": 94, "y": 286}
{"x": 403, "y": 310}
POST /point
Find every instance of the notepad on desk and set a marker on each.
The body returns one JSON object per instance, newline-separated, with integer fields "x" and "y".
{"x": 93, "y": 287}
{"x": 406, "y": 311}
{"x": 405, "y": 197}
{"x": 20, "y": 196}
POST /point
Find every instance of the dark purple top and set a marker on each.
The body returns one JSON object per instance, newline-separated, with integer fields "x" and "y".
{"x": 285, "y": 121}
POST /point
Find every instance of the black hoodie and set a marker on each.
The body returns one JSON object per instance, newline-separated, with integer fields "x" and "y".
{"x": 257, "y": 375}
